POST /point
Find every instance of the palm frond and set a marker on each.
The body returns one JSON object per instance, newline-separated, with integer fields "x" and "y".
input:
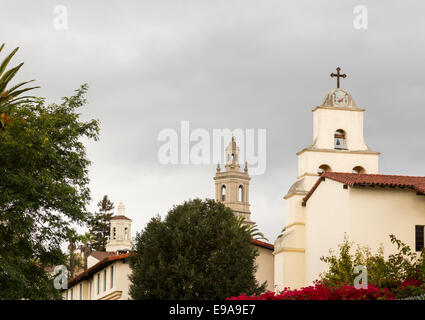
{"x": 11, "y": 97}
{"x": 12, "y": 89}
{"x": 6, "y": 61}
{"x": 252, "y": 229}
{"x": 8, "y": 76}
{"x": 14, "y": 101}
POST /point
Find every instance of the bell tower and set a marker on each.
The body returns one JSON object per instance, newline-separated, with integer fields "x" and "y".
{"x": 339, "y": 146}
{"x": 120, "y": 233}
{"x": 232, "y": 184}
{"x": 338, "y": 141}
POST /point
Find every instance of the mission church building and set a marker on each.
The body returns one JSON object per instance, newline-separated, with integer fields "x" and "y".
{"x": 338, "y": 192}
{"x": 349, "y": 198}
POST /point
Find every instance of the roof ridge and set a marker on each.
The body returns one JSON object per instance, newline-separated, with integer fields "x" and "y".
{"x": 95, "y": 267}
{"x": 416, "y": 183}
{"x": 371, "y": 174}
{"x": 262, "y": 243}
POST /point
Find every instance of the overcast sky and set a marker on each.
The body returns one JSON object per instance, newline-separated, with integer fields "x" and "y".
{"x": 223, "y": 64}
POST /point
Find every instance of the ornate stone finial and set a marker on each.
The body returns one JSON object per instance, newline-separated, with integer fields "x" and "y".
{"x": 121, "y": 209}
{"x": 246, "y": 166}
{"x": 232, "y": 155}
{"x": 218, "y": 167}
{"x": 234, "y": 144}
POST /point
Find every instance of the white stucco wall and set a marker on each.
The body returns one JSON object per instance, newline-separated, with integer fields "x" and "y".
{"x": 327, "y": 120}
{"x": 367, "y": 215}
{"x": 265, "y": 269}
{"x": 327, "y": 218}
{"x": 118, "y": 291}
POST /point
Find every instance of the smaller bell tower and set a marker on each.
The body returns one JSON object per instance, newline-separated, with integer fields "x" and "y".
{"x": 232, "y": 184}
{"x": 120, "y": 234}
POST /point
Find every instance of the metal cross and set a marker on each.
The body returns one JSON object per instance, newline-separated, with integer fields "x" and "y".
{"x": 338, "y": 75}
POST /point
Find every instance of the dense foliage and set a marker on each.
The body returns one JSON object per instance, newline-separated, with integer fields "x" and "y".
{"x": 43, "y": 191}
{"x": 199, "y": 251}
{"x": 403, "y": 272}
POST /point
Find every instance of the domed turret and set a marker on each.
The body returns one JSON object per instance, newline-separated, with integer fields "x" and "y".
{"x": 120, "y": 233}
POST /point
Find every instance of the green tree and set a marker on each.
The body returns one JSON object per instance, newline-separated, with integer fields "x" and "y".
{"x": 199, "y": 251}
{"x": 43, "y": 191}
{"x": 99, "y": 223}
{"x": 252, "y": 229}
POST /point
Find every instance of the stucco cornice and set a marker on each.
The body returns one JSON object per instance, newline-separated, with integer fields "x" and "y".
{"x": 338, "y": 151}
{"x": 294, "y": 224}
{"x": 297, "y": 193}
{"x": 234, "y": 175}
{"x": 307, "y": 175}
{"x": 339, "y": 108}
{"x": 285, "y": 249}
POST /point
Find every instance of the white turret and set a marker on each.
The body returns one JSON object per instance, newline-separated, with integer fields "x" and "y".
{"x": 120, "y": 233}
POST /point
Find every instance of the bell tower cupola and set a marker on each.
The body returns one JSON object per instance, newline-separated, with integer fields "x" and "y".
{"x": 338, "y": 141}
{"x": 120, "y": 232}
{"x": 232, "y": 184}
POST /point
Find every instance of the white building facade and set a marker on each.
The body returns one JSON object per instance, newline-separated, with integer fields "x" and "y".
{"x": 320, "y": 211}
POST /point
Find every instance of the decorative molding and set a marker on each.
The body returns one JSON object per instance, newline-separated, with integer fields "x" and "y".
{"x": 338, "y": 151}
{"x": 294, "y": 224}
{"x": 307, "y": 175}
{"x": 339, "y": 108}
{"x": 301, "y": 250}
{"x": 297, "y": 193}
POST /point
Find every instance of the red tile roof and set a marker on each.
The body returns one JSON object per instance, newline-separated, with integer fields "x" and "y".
{"x": 262, "y": 244}
{"x": 98, "y": 266}
{"x": 100, "y": 255}
{"x": 362, "y": 179}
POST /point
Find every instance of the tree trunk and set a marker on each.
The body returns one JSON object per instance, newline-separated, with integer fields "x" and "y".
{"x": 86, "y": 250}
{"x": 71, "y": 258}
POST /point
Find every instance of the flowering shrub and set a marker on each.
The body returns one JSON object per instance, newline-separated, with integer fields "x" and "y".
{"x": 409, "y": 288}
{"x": 323, "y": 291}
{"x": 402, "y": 273}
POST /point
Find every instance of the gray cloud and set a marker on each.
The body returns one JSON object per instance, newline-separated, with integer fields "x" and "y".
{"x": 223, "y": 64}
